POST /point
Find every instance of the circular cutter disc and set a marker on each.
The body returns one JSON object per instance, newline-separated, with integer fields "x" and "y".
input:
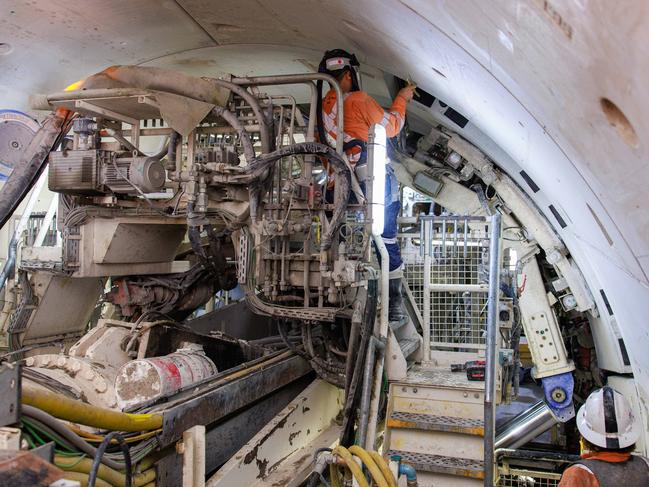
{"x": 16, "y": 132}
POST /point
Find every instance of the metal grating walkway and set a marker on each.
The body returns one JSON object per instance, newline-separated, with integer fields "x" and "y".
{"x": 439, "y": 464}
{"x": 436, "y": 423}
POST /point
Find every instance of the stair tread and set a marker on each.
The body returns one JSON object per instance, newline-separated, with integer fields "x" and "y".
{"x": 408, "y": 346}
{"x": 440, "y": 377}
{"x": 425, "y": 462}
{"x": 430, "y": 422}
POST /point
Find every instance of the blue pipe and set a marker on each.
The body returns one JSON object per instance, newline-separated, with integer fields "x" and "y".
{"x": 407, "y": 470}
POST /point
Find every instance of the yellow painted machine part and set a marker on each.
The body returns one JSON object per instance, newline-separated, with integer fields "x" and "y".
{"x": 82, "y": 478}
{"x": 343, "y": 453}
{"x": 385, "y": 469}
{"x": 113, "y": 477}
{"x": 62, "y": 407}
{"x": 369, "y": 463}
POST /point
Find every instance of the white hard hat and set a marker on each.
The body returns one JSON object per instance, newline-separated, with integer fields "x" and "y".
{"x": 606, "y": 420}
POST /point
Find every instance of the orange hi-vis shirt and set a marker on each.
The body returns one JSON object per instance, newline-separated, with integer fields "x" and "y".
{"x": 361, "y": 111}
{"x": 581, "y": 476}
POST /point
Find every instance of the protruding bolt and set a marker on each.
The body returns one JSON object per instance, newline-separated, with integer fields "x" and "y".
{"x": 558, "y": 395}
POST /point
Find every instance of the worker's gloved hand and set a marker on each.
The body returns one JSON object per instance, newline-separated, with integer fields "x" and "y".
{"x": 407, "y": 92}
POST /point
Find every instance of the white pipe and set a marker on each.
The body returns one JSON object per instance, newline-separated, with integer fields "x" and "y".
{"x": 377, "y": 159}
{"x": 383, "y": 334}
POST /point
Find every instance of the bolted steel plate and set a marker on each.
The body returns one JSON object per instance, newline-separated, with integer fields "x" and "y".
{"x": 16, "y": 132}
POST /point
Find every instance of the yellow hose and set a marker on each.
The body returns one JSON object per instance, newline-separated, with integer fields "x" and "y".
{"x": 374, "y": 470}
{"x": 333, "y": 474}
{"x": 385, "y": 469}
{"x": 79, "y": 412}
{"x": 107, "y": 474}
{"x": 91, "y": 437}
{"x": 82, "y": 478}
{"x": 343, "y": 453}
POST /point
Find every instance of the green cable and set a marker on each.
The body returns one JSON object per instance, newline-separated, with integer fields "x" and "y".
{"x": 65, "y": 466}
{"x": 29, "y": 440}
{"x": 34, "y": 434}
{"x": 53, "y": 437}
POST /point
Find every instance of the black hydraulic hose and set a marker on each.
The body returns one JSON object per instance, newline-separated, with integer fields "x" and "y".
{"x": 353, "y": 395}
{"x": 68, "y": 435}
{"x": 92, "y": 477}
{"x": 254, "y": 104}
{"x": 32, "y": 162}
{"x": 341, "y": 171}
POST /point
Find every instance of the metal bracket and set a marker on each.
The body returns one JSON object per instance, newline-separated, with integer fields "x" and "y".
{"x": 558, "y": 394}
{"x": 9, "y": 394}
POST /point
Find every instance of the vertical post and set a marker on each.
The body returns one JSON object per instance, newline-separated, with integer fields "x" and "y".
{"x": 490, "y": 372}
{"x": 194, "y": 457}
{"x": 377, "y": 204}
{"x": 425, "y": 243}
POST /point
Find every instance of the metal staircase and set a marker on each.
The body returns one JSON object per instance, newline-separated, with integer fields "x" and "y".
{"x": 436, "y": 418}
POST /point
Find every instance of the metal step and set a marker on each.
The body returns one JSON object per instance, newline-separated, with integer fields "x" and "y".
{"x": 397, "y": 325}
{"x": 429, "y": 422}
{"x": 443, "y": 465}
{"x": 408, "y": 346}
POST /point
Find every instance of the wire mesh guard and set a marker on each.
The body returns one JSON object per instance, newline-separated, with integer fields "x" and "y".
{"x": 456, "y": 250}
{"x": 525, "y": 478}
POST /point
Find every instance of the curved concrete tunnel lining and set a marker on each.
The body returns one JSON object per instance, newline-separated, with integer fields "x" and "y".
{"x": 514, "y": 119}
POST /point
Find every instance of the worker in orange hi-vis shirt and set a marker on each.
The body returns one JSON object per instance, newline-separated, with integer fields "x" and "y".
{"x": 361, "y": 111}
{"x": 608, "y": 431}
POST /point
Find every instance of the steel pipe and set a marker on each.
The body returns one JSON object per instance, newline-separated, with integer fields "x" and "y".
{"x": 492, "y": 330}
{"x": 306, "y": 78}
{"x": 526, "y": 426}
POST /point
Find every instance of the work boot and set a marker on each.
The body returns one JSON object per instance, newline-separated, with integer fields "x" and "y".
{"x": 397, "y": 315}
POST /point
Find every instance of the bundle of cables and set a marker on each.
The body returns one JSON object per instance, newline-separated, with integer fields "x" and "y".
{"x": 343, "y": 467}
{"x": 103, "y": 459}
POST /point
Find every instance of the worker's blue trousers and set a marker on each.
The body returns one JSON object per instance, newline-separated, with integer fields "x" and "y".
{"x": 392, "y": 211}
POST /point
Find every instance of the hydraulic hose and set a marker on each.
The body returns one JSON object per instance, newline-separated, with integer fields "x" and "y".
{"x": 371, "y": 466}
{"x": 341, "y": 171}
{"x": 113, "y": 477}
{"x": 82, "y": 478}
{"x": 79, "y": 412}
{"x": 351, "y": 464}
{"x": 236, "y": 124}
{"x": 94, "y": 469}
{"x": 383, "y": 465}
{"x": 69, "y": 436}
